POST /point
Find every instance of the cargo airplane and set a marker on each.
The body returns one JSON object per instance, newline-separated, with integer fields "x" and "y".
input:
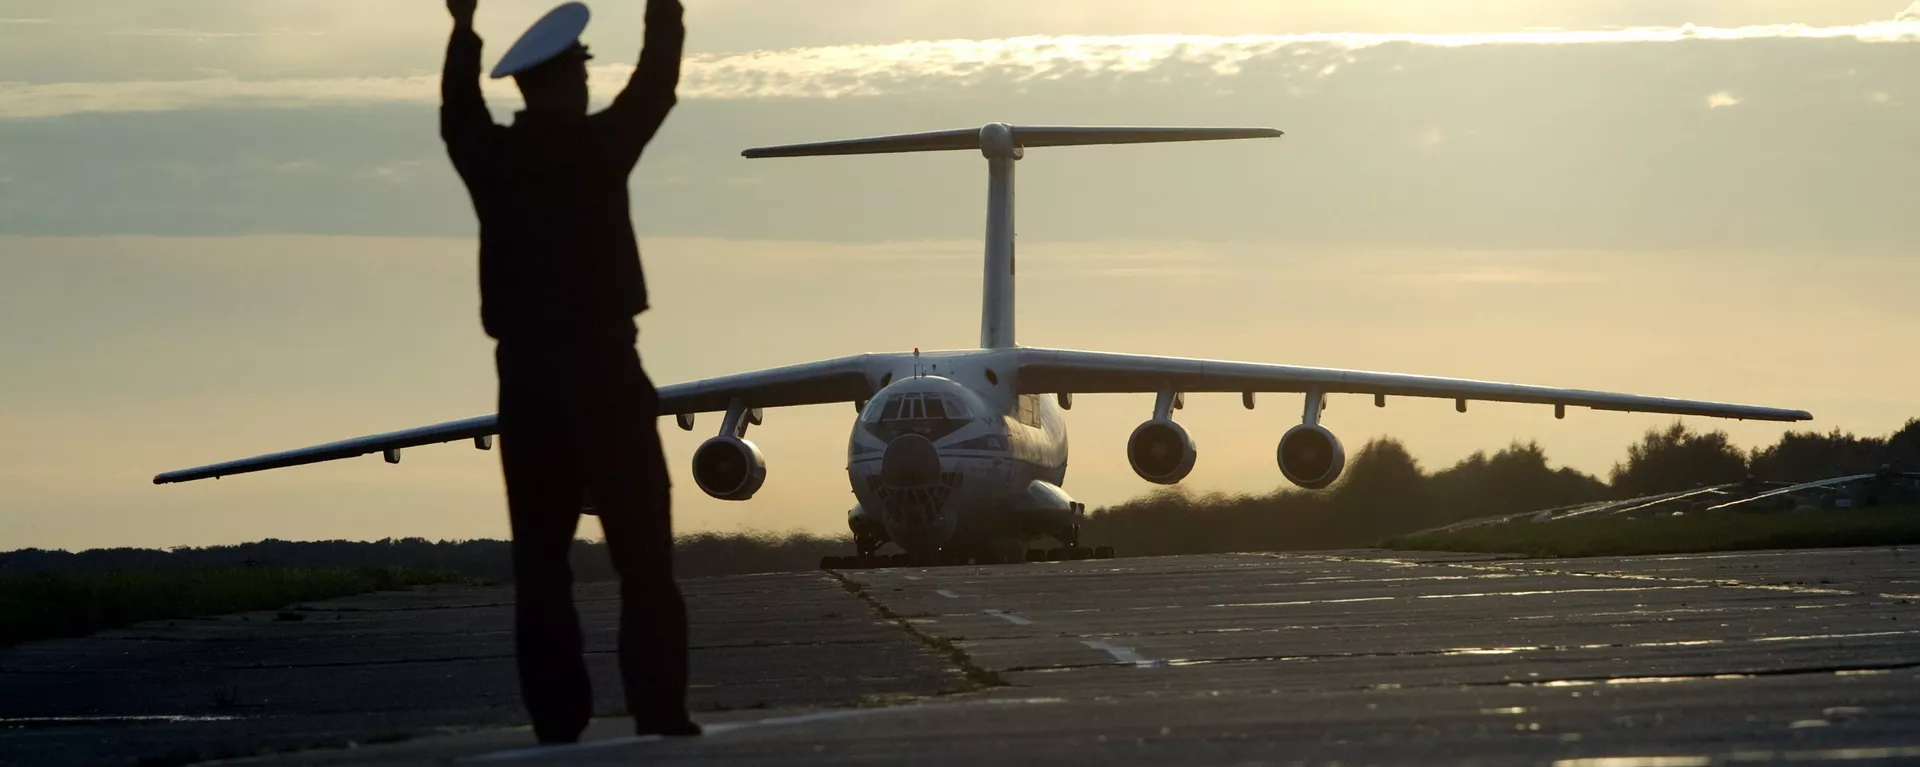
{"x": 963, "y": 453}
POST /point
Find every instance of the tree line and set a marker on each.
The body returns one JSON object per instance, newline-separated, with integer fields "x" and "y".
{"x": 694, "y": 555}
{"x": 1384, "y": 492}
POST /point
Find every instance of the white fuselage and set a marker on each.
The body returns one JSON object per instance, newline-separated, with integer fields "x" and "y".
{"x": 947, "y": 456}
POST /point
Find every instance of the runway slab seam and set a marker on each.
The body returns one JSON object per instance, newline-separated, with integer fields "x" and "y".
{"x": 977, "y": 677}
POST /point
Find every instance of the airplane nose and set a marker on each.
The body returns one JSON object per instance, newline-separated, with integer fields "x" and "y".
{"x": 910, "y": 461}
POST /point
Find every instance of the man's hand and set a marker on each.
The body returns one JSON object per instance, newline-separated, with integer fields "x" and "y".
{"x": 462, "y": 10}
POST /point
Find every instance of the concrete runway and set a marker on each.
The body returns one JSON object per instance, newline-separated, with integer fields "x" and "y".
{"x": 1350, "y": 657}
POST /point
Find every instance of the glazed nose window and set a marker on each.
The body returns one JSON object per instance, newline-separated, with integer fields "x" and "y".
{"x": 929, "y": 415}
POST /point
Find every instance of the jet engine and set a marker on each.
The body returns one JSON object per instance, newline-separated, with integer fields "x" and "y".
{"x": 1310, "y": 456}
{"x": 1161, "y": 452}
{"x": 729, "y": 468}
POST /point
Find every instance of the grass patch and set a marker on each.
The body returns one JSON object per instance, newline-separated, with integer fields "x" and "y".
{"x": 1691, "y": 533}
{"x": 49, "y": 605}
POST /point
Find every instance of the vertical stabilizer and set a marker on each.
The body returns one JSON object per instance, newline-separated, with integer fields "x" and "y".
{"x": 996, "y": 282}
{"x": 1003, "y": 145}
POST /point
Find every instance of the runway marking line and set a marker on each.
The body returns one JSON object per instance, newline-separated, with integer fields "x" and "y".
{"x": 1555, "y": 592}
{"x": 1123, "y": 654}
{"x": 31, "y": 721}
{"x": 1295, "y": 602}
{"x": 1008, "y": 617}
{"x": 1702, "y": 760}
{"x": 723, "y": 728}
{"x": 1549, "y": 570}
{"x": 947, "y": 594}
{"x": 1811, "y": 637}
{"x": 708, "y": 730}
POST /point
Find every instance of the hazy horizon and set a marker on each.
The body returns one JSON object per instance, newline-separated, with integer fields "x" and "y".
{"x": 227, "y": 232}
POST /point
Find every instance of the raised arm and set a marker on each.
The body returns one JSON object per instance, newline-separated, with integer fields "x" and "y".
{"x": 464, "y": 120}
{"x": 636, "y": 114}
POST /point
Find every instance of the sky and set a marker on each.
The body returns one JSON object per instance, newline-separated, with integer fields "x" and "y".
{"x": 229, "y": 229}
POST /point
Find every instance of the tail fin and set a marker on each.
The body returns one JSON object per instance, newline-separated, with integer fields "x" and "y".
{"x": 1003, "y": 144}
{"x": 1021, "y": 136}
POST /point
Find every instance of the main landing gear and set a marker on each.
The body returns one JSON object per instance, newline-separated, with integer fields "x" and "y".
{"x": 868, "y": 558}
{"x": 870, "y": 561}
{"x": 1069, "y": 554}
{"x": 1070, "y": 549}
{"x": 1062, "y": 554}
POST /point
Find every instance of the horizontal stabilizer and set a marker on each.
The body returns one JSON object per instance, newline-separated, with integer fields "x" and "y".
{"x": 1023, "y": 136}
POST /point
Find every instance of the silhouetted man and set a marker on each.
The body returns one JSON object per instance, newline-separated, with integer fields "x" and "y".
{"x": 560, "y": 284}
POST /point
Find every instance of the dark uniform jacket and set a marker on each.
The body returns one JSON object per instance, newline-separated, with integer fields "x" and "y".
{"x": 557, "y": 253}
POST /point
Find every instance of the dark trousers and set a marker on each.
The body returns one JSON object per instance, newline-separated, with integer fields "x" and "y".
{"x": 577, "y": 426}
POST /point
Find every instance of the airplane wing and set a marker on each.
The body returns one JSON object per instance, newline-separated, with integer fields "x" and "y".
{"x": 1056, "y": 371}
{"x": 837, "y": 380}
{"x": 480, "y": 429}
{"x": 810, "y": 383}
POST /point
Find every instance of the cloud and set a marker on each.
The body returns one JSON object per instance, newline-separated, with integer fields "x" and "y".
{"x": 26, "y": 100}
{"x": 1719, "y": 99}
{"x": 849, "y": 71}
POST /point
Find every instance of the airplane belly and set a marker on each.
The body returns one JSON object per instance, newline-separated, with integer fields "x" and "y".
{"x": 1017, "y": 503}
{"x": 987, "y": 491}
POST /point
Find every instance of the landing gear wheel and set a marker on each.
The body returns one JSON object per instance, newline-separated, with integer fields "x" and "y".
{"x": 1056, "y": 555}
{"x": 1001, "y": 551}
{"x": 1103, "y": 552}
{"x": 1036, "y": 555}
{"x": 865, "y": 546}
{"x": 829, "y": 563}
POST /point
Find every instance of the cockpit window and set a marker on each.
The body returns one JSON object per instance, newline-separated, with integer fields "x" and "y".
{"x": 929, "y": 414}
{"x": 916, "y": 406}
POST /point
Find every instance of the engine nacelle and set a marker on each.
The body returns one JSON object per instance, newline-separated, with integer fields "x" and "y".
{"x": 729, "y": 468}
{"x": 1161, "y": 452}
{"x": 1310, "y": 456}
